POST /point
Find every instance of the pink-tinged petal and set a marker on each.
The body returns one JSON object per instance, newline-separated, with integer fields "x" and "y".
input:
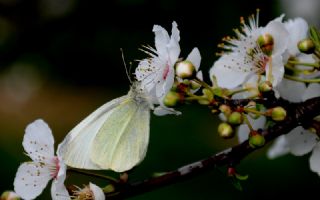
{"x": 313, "y": 90}
{"x": 301, "y": 141}
{"x": 298, "y": 29}
{"x": 97, "y": 192}
{"x": 195, "y": 57}
{"x": 315, "y": 159}
{"x": 31, "y": 179}
{"x": 279, "y": 148}
{"x": 280, "y": 36}
{"x": 225, "y": 76}
{"x": 38, "y": 141}
{"x": 161, "y": 39}
{"x": 291, "y": 90}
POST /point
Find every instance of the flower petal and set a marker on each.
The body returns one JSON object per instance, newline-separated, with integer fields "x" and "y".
{"x": 225, "y": 76}
{"x": 31, "y": 179}
{"x": 162, "y": 110}
{"x": 97, "y": 192}
{"x": 195, "y": 57}
{"x": 315, "y": 159}
{"x": 38, "y": 141}
{"x": 58, "y": 189}
{"x": 313, "y": 90}
{"x": 279, "y": 148}
{"x": 298, "y": 29}
{"x": 277, "y": 70}
{"x": 301, "y": 141}
{"x": 161, "y": 39}
{"x": 291, "y": 90}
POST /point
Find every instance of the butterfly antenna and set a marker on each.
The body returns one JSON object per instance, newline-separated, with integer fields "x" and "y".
{"x": 125, "y": 66}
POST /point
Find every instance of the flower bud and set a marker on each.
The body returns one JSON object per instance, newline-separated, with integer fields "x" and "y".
{"x": 171, "y": 99}
{"x": 235, "y": 118}
{"x": 226, "y": 110}
{"x": 185, "y": 69}
{"x": 9, "y": 195}
{"x": 109, "y": 188}
{"x": 225, "y": 130}
{"x": 306, "y": 46}
{"x": 278, "y": 113}
{"x": 256, "y": 140}
{"x": 265, "y": 86}
{"x": 266, "y": 43}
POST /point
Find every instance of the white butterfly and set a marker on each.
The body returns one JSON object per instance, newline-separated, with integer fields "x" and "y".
{"x": 115, "y": 136}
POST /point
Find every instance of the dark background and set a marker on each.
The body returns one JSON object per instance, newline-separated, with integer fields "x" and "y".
{"x": 60, "y": 60}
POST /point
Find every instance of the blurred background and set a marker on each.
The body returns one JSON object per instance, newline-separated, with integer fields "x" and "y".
{"x": 60, "y": 60}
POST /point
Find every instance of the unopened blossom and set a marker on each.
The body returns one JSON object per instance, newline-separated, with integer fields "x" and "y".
{"x": 244, "y": 57}
{"x": 32, "y": 177}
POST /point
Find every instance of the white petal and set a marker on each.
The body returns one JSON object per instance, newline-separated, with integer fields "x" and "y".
{"x": 226, "y": 77}
{"x": 279, "y": 148}
{"x": 280, "y": 36}
{"x": 315, "y": 159}
{"x": 298, "y": 29}
{"x": 195, "y": 57}
{"x": 97, "y": 192}
{"x": 173, "y": 45}
{"x": 175, "y": 33}
{"x": 243, "y": 133}
{"x": 31, "y": 179}
{"x": 38, "y": 141}
{"x": 161, "y": 39}
{"x": 313, "y": 90}
{"x": 58, "y": 189}
{"x": 301, "y": 141}
{"x": 291, "y": 90}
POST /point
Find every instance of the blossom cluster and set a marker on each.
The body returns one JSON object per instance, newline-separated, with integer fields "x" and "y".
{"x": 279, "y": 58}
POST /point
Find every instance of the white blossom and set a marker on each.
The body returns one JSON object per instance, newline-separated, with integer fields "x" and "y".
{"x": 32, "y": 177}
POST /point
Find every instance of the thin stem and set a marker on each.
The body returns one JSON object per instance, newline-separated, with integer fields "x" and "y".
{"x": 315, "y": 65}
{"x": 254, "y": 111}
{"x": 299, "y": 71}
{"x": 203, "y": 84}
{"x": 78, "y": 171}
{"x": 245, "y": 119}
{"x": 315, "y": 80}
{"x": 270, "y": 76}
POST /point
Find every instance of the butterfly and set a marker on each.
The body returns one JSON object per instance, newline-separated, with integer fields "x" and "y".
{"x": 114, "y": 137}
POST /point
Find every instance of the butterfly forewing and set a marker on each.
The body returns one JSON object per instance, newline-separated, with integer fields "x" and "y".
{"x": 122, "y": 140}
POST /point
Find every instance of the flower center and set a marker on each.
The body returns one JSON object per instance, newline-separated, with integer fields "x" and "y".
{"x": 56, "y": 167}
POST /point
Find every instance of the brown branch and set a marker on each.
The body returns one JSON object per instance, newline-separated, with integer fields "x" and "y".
{"x": 297, "y": 114}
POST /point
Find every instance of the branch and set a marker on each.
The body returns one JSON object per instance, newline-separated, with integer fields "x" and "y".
{"x": 298, "y": 113}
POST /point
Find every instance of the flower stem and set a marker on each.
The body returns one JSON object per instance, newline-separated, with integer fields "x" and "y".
{"x": 315, "y": 65}
{"x": 203, "y": 84}
{"x": 253, "y": 111}
{"x": 245, "y": 119}
{"x": 293, "y": 78}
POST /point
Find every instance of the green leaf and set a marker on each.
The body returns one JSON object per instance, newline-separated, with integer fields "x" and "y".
{"x": 236, "y": 183}
{"x": 315, "y": 37}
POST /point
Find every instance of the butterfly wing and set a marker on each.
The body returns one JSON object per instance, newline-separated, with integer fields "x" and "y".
{"x": 122, "y": 141}
{"x": 76, "y": 147}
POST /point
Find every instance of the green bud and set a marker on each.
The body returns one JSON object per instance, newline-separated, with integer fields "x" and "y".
{"x": 256, "y": 140}
{"x": 306, "y": 46}
{"x": 235, "y": 118}
{"x": 265, "y": 86}
{"x": 185, "y": 69}
{"x": 225, "y": 130}
{"x": 109, "y": 188}
{"x": 9, "y": 195}
{"x": 278, "y": 113}
{"x": 171, "y": 99}
{"x": 266, "y": 43}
